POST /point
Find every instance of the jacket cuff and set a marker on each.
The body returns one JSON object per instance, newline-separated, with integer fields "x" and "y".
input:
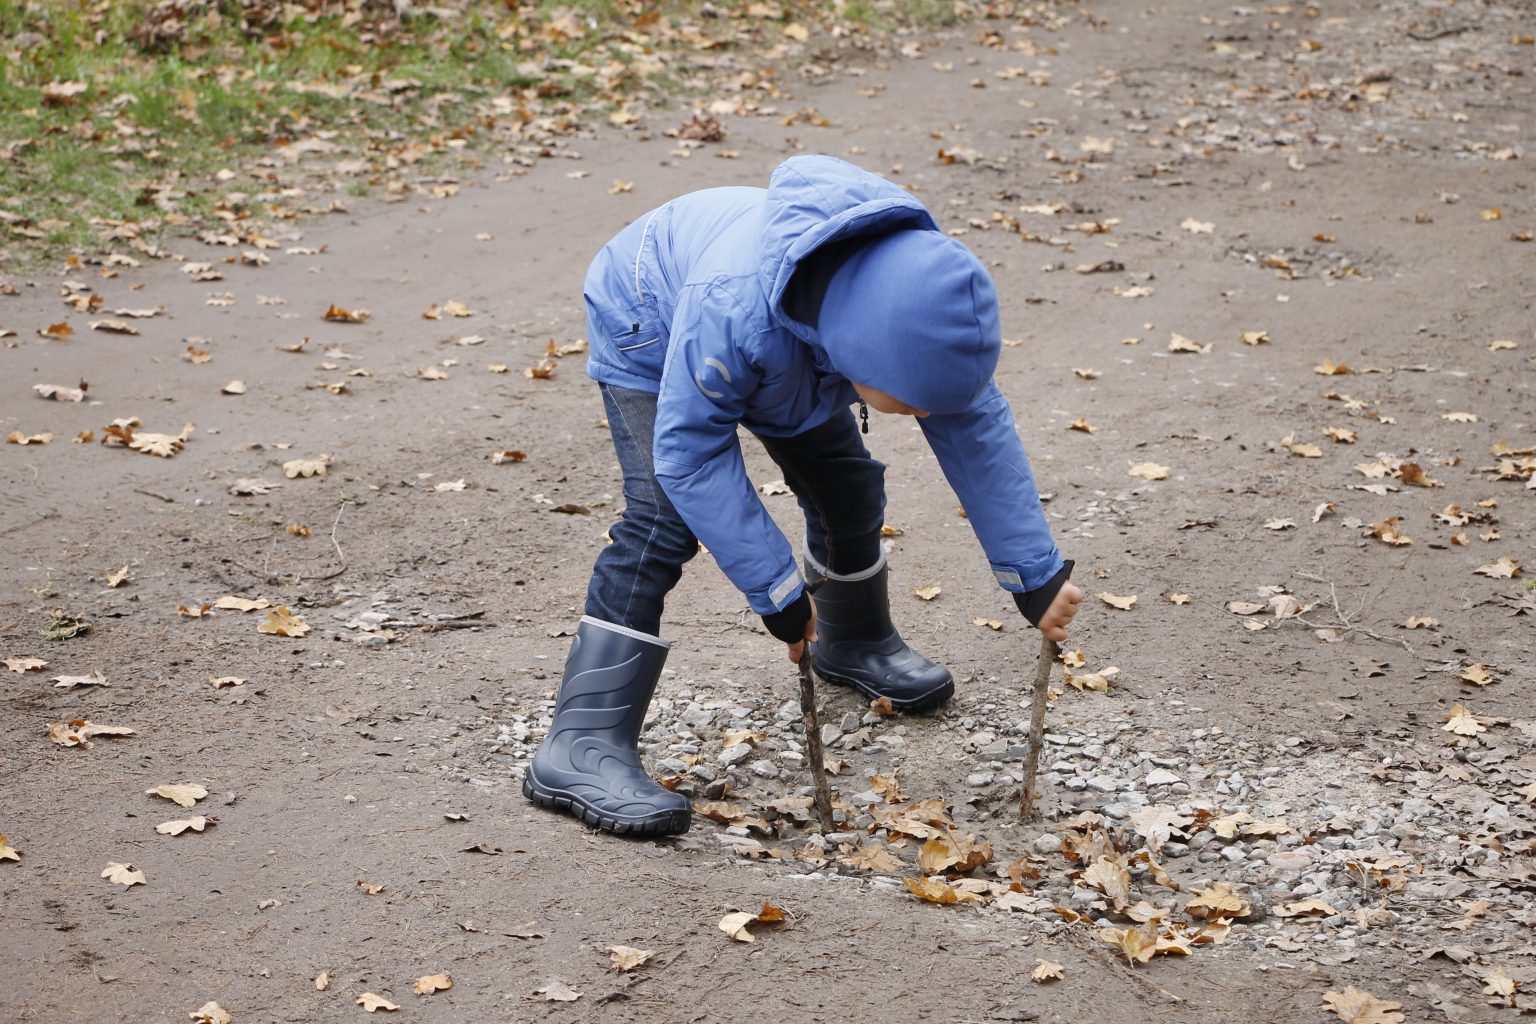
{"x": 789, "y": 625}
{"x": 1035, "y": 603}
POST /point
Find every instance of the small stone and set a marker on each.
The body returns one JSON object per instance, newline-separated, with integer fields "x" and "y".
{"x": 865, "y": 798}
{"x": 1047, "y": 844}
{"x": 1234, "y": 854}
{"x": 1289, "y": 860}
{"x": 850, "y": 722}
{"x": 830, "y": 734}
{"x": 792, "y": 759}
{"x": 979, "y": 779}
{"x": 1162, "y": 777}
{"x": 1076, "y": 784}
{"x": 764, "y": 769}
{"x": 1175, "y": 850}
{"x": 671, "y": 766}
{"x": 1103, "y": 783}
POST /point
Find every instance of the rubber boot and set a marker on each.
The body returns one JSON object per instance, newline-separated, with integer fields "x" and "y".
{"x": 589, "y": 763}
{"x": 857, "y": 644}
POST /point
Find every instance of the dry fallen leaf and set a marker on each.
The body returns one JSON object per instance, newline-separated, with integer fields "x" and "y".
{"x": 78, "y": 732}
{"x": 1306, "y": 908}
{"x": 430, "y": 983}
{"x": 1124, "y": 603}
{"x": 1082, "y": 426}
{"x": 373, "y": 1003}
{"x": 1112, "y": 879}
{"x": 1179, "y": 343}
{"x": 935, "y": 890}
{"x": 1218, "y": 901}
{"x": 1357, "y": 1007}
{"x": 281, "y": 621}
{"x": 25, "y": 664}
{"x": 992, "y": 624}
{"x": 211, "y": 1013}
{"x": 336, "y": 314}
{"x": 1463, "y": 722}
{"x": 183, "y": 794}
{"x": 1505, "y": 568}
{"x": 1148, "y": 471}
{"x": 1386, "y": 530}
{"x": 1047, "y": 970}
{"x": 627, "y": 958}
{"x": 1477, "y": 675}
{"x": 231, "y": 603}
{"x": 306, "y": 467}
{"x": 926, "y": 593}
{"x": 70, "y": 682}
{"x": 555, "y": 992}
{"x": 122, "y": 874}
{"x": 176, "y": 828}
{"x": 8, "y": 852}
{"x": 735, "y": 925}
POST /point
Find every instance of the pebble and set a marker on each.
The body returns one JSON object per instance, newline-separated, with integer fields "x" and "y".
{"x": 1104, "y": 783}
{"x": 830, "y": 734}
{"x": 1048, "y": 843}
{"x": 764, "y": 769}
{"x": 1161, "y": 777}
{"x": 1289, "y": 860}
{"x": 850, "y": 722}
{"x": 979, "y": 779}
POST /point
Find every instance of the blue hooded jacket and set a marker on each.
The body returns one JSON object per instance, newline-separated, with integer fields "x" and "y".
{"x": 688, "y": 303}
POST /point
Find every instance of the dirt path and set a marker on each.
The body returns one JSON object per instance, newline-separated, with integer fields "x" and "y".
{"x": 1329, "y": 178}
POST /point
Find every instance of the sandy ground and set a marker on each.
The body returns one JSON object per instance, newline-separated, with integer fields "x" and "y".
{"x": 1328, "y": 176}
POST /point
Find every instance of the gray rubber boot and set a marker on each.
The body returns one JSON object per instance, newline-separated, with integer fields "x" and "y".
{"x": 589, "y": 763}
{"x": 857, "y": 645}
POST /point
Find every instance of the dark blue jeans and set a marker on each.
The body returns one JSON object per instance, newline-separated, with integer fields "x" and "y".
{"x": 840, "y": 487}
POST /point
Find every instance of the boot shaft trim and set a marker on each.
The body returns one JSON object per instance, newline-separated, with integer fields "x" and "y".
{"x": 633, "y": 634}
{"x": 826, "y": 573}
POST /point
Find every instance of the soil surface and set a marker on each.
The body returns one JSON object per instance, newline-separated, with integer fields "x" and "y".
{"x": 1353, "y": 180}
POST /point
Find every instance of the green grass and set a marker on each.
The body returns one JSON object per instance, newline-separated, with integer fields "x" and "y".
{"x": 161, "y": 117}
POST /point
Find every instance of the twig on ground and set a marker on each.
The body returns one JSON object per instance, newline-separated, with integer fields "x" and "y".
{"x": 1344, "y": 623}
{"x": 334, "y": 542}
{"x": 152, "y": 494}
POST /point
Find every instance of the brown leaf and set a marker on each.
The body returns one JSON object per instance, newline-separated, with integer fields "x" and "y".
{"x": 935, "y": 890}
{"x": 176, "y": 828}
{"x": 627, "y": 958}
{"x": 282, "y": 622}
{"x": 1047, "y": 970}
{"x": 78, "y": 732}
{"x": 1503, "y": 569}
{"x": 1124, "y": 603}
{"x": 25, "y": 664}
{"x": 374, "y": 1003}
{"x": 430, "y": 983}
{"x": 1148, "y": 471}
{"x": 211, "y": 1013}
{"x": 1112, "y": 879}
{"x": 122, "y": 874}
{"x": 1357, "y": 1007}
{"x": 336, "y": 314}
{"x": 7, "y": 852}
{"x": 1386, "y": 530}
{"x": 183, "y": 794}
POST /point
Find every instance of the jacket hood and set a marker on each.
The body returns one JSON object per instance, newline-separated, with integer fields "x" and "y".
{"x": 906, "y": 309}
{"x": 816, "y": 200}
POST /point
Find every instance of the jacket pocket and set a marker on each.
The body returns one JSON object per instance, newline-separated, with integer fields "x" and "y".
{"x": 634, "y": 336}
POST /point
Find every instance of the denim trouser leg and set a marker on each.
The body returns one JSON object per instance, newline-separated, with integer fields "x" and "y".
{"x": 634, "y": 574}
{"x": 840, "y": 487}
{"x": 841, "y": 490}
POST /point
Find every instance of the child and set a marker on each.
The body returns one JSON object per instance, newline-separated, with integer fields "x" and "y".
{"x": 776, "y": 311}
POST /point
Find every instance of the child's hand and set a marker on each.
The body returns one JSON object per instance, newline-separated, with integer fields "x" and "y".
{"x": 1062, "y": 611}
{"x": 797, "y": 649}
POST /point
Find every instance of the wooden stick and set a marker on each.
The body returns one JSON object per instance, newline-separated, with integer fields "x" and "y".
{"x": 1039, "y": 697}
{"x": 813, "y": 743}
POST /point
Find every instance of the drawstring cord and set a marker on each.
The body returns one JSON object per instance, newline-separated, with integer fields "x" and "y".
{"x": 863, "y": 417}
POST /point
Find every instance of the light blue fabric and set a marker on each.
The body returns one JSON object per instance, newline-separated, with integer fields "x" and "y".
{"x": 687, "y": 303}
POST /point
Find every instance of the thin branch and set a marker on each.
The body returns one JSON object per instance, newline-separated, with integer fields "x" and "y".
{"x": 1344, "y": 624}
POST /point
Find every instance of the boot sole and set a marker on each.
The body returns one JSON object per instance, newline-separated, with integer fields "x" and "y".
{"x": 925, "y": 702}
{"x": 665, "y": 824}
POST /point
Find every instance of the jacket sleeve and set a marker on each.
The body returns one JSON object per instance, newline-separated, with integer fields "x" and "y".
{"x": 705, "y": 384}
{"x": 984, "y": 461}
